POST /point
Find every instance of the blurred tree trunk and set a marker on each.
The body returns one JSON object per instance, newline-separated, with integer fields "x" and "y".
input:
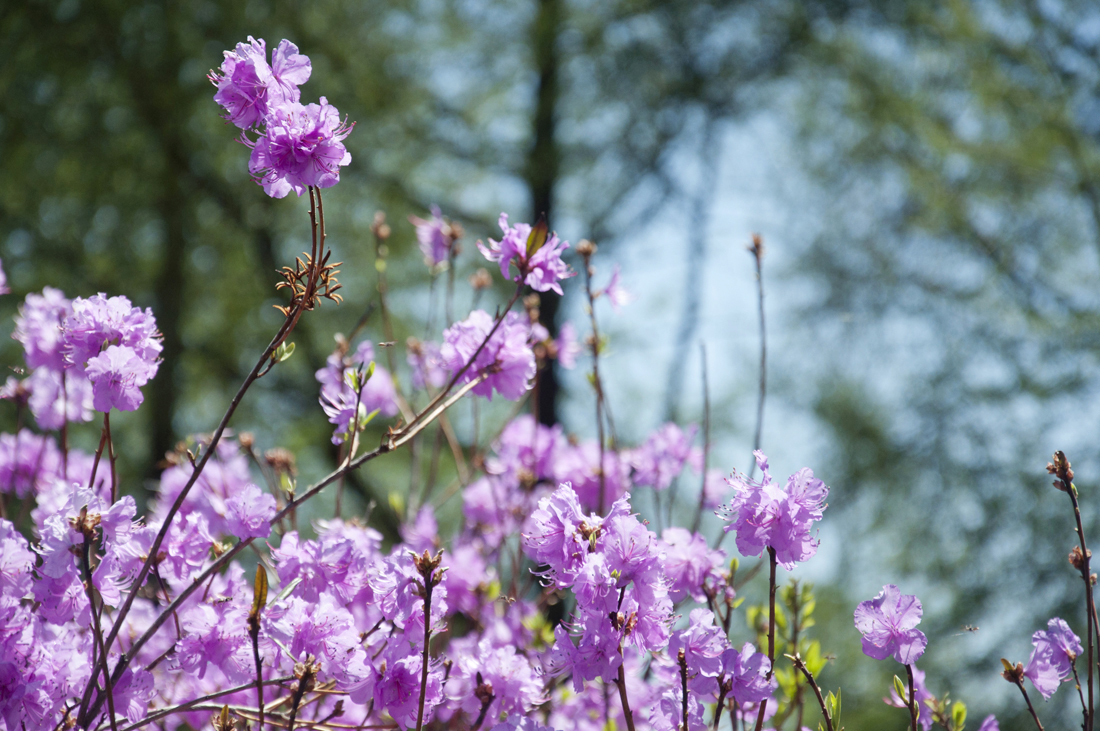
{"x": 543, "y": 166}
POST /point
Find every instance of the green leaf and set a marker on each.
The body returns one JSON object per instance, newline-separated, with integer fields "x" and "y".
{"x": 780, "y": 617}
{"x": 901, "y": 690}
{"x": 815, "y": 663}
{"x": 351, "y": 377}
{"x": 259, "y": 590}
{"x": 363, "y": 422}
{"x": 537, "y": 238}
{"x": 283, "y": 352}
{"x": 285, "y": 591}
{"x": 958, "y": 716}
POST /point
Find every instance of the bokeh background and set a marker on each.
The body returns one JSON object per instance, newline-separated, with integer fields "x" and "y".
{"x": 926, "y": 178}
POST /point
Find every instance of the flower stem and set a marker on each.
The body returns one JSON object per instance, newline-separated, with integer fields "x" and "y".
{"x": 428, "y": 572}
{"x": 682, "y": 660}
{"x": 771, "y": 633}
{"x": 318, "y": 227}
{"x": 801, "y": 667}
{"x": 757, "y": 251}
{"x": 913, "y": 711}
{"x": 621, "y": 682}
{"x": 1020, "y": 685}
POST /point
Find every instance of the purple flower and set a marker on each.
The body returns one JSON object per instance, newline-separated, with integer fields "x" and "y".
{"x": 921, "y": 694}
{"x": 300, "y": 146}
{"x": 668, "y": 713}
{"x": 989, "y": 724}
{"x": 427, "y": 364}
{"x": 580, "y": 466}
{"x": 662, "y": 458}
{"x": 568, "y": 346}
{"x": 703, "y": 644}
{"x": 506, "y": 360}
{"x": 435, "y": 237}
{"x": 559, "y": 533}
{"x": 526, "y": 451}
{"x": 16, "y": 562}
{"x": 888, "y": 625}
{"x": 614, "y": 291}
{"x": 767, "y": 515}
{"x": 342, "y": 404}
{"x": 507, "y": 674}
{"x": 516, "y": 722}
{"x": 748, "y": 671}
{"x": 422, "y": 533}
{"x": 1051, "y": 661}
{"x": 38, "y": 328}
{"x": 4, "y": 288}
{"x": 248, "y": 88}
{"x": 398, "y": 688}
{"x": 117, "y": 375}
{"x": 57, "y": 396}
{"x": 248, "y": 512}
{"x": 715, "y": 489}
{"x": 28, "y": 461}
{"x": 689, "y": 563}
{"x": 98, "y": 322}
{"x": 538, "y": 262}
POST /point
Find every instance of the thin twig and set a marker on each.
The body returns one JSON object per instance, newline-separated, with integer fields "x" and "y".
{"x": 1031, "y": 708}
{"x": 597, "y": 384}
{"x": 189, "y": 705}
{"x": 771, "y": 633}
{"x": 706, "y": 440}
{"x": 621, "y": 682}
{"x": 757, "y": 251}
{"x": 912, "y": 699}
{"x": 801, "y": 667}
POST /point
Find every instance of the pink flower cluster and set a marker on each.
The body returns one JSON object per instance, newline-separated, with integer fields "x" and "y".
{"x": 297, "y": 146}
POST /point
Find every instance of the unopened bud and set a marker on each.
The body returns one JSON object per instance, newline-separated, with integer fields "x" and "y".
{"x": 757, "y": 246}
{"x": 586, "y": 248}
{"x": 481, "y": 279}
{"x": 1013, "y": 673}
{"x": 282, "y": 461}
{"x": 247, "y": 439}
{"x": 379, "y": 227}
{"x": 1061, "y": 469}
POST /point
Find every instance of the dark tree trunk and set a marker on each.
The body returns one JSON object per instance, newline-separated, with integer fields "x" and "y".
{"x": 543, "y": 165}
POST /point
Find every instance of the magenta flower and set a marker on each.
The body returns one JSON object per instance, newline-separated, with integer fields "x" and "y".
{"x": 249, "y": 89}
{"x": 435, "y": 237}
{"x": 703, "y": 644}
{"x": 568, "y": 346}
{"x": 888, "y": 625}
{"x": 248, "y": 512}
{"x": 989, "y": 724}
{"x": 614, "y": 291}
{"x": 100, "y": 321}
{"x": 538, "y": 263}
{"x": 659, "y": 461}
{"x": 767, "y": 515}
{"x": 300, "y": 146}
{"x": 427, "y": 364}
{"x": 117, "y": 375}
{"x": 748, "y": 670}
{"x": 507, "y": 359}
{"x": 344, "y": 407}
{"x": 1051, "y": 661}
